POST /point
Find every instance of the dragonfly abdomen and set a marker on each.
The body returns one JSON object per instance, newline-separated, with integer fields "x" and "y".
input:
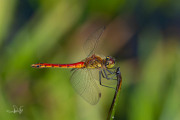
{"x": 74, "y": 65}
{"x": 46, "y": 65}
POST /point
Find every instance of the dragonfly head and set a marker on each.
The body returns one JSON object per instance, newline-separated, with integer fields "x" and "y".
{"x": 109, "y": 62}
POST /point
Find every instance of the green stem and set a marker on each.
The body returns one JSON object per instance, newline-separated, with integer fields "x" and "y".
{"x": 116, "y": 96}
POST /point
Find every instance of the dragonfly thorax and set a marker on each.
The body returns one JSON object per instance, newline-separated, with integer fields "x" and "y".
{"x": 94, "y": 62}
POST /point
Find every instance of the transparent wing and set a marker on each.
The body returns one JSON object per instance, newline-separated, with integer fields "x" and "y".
{"x": 85, "y": 85}
{"x": 90, "y": 45}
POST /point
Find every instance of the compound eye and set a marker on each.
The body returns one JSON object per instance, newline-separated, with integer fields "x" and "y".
{"x": 107, "y": 64}
{"x": 107, "y": 58}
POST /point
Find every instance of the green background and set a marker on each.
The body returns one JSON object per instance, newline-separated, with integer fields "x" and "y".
{"x": 143, "y": 36}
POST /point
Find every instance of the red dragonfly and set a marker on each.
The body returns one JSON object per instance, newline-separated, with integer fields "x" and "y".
{"x": 83, "y": 78}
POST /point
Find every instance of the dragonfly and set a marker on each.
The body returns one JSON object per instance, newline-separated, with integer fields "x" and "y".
{"x": 83, "y": 79}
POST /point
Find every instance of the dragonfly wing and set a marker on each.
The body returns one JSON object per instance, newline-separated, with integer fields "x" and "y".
{"x": 90, "y": 45}
{"x": 85, "y": 85}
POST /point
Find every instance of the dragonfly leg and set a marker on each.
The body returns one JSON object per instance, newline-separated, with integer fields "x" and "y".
{"x": 100, "y": 73}
{"x": 103, "y": 74}
{"x": 106, "y": 75}
{"x": 110, "y": 72}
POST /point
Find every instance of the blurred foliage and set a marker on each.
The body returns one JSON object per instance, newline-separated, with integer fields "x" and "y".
{"x": 142, "y": 35}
